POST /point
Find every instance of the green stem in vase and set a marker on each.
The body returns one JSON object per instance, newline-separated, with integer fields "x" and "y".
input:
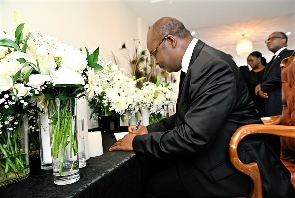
{"x": 61, "y": 127}
{"x": 8, "y": 160}
{"x": 63, "y": 149}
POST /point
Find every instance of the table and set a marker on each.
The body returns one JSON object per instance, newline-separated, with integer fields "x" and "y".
{"x": 113, "y": 174}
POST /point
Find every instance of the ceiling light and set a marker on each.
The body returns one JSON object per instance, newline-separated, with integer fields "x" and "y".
{"x": 193, "y": 33}
{"x": 288, "y": 33}
{"x": 244, "y": 47}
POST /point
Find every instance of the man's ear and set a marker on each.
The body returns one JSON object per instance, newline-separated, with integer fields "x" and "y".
{"x": 285, "y": 41}
{"x": 171, "y": 40}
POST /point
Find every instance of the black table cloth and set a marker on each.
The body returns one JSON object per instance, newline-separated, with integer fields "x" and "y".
{"x": 113, "y": 174}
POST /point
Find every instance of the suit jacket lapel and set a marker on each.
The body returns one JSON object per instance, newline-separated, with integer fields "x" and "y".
{"x": 200, "y": 44}
{"x": 272, "y": 63}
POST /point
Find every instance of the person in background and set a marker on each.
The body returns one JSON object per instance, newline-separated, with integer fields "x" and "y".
{"x": 189, "y": 151}
{"x": 270, "y": 88}
{"x": 253, "y": 78}
{"x": 244, "y": 69}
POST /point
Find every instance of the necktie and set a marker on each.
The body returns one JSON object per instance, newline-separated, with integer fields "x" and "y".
{"x": 182, "y": 76}
{"x": 271, "y": 61}
{"x": 273, "y": 58}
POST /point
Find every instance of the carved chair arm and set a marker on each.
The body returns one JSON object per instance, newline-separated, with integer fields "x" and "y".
{"x": 252, "y": 169}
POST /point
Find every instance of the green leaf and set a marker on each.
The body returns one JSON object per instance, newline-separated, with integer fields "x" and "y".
{"x": 19, "y": 33}
{"x": 87, "y": 51}
{"x": 97, "y": 67}
{"x": 38, "y": 67}
{"x": 92, "y": 60}
{"x": 167, "y": 84}
{"x": 25, "y": 45}
{"x": 28, "y": 73}
{"x": 156, "y": 94}
{"x": 158, "y": 81}
{"x": 9, "y": 43}
{"x": 21, "y": 60}
{"x": 16, "y": 76}
{"x": 140, "y": 79}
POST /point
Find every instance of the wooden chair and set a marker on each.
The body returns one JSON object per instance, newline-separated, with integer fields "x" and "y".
{"x": 285, "y": 129}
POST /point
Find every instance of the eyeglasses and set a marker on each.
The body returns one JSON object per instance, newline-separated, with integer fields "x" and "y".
{"x": 271, "y": 39}
{"x": 154, "y": 52}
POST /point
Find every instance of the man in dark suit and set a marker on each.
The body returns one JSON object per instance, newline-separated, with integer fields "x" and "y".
{"x": 271, "y": 85}
{"x": 213, "y": 102}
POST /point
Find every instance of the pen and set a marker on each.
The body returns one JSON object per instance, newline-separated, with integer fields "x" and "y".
{"x": 137, "y": 124}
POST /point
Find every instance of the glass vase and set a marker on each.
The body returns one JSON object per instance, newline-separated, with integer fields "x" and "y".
{"x": 155, "y": 117}
{"x": 33, "y": 133}
{"x": 145, "y": 115}
{"x": 14, "y": 150}
{"x": 63, "y": 140}
{"x": 132, "y": 119}
{"x": 109, "y": 123}
{"x": 44, "y": 139}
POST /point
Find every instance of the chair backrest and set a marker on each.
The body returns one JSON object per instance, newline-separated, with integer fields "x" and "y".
{"x": 288, "y": 99}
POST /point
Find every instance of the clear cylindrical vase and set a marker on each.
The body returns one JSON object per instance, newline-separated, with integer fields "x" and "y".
{"x": 14, "y": 149}
{"x": 132, "y": 119}
{"x": 44, "y": 139}
{"x": 63, "y": 140}
{"x": 145, "y": 114}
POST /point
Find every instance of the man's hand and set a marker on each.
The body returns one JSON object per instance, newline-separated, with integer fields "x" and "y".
{"x": 124, "y": 144}
{"x": 262, "y": 94}
{"x": 141, "y": 129}
{"x": 257, "y": 89}
{"x": 259, "y": 92}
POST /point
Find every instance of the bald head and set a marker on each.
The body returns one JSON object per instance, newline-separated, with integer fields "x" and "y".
{"x": 168, "y": 26}
{"x": 167, "y": 41}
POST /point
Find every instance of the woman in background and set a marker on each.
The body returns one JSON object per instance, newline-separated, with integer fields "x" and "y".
{"x": 253, "y": 77}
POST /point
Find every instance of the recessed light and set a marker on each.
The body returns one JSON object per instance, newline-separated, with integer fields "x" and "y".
{"x": 288, "y": 33}
{"x": 193, "y": 33}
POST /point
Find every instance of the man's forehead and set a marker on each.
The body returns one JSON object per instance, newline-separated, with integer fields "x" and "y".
{"x": 274, "y": 34}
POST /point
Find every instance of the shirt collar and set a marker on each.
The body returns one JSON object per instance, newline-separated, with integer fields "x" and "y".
{"x": 187, "y": 55}
{"x": 279, "y": 51}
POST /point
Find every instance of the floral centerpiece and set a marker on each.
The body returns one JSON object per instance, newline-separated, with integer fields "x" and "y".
{"x": 61, "y": 80}
{"x": 55, "y": 72}
{"x": 15, "y": 105}
{"x": 156, "y": 97}
{"x": 110, "y": 91}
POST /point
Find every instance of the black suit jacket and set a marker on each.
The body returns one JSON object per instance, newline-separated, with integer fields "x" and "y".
{"x": 213, "y": 102}
{"x": 272, "y": 84}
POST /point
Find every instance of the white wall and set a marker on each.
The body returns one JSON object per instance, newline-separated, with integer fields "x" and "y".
{"x": 80, "y": 23}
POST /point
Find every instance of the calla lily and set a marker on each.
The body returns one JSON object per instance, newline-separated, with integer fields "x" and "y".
{"x": 18, "y": 19}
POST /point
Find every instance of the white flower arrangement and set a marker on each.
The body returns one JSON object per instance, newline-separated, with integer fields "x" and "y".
{"x": 110, "y": 91}
{"x": 16, "y": 102}
{"x": 33, "y": 70}
{"x": 157, "y": 97}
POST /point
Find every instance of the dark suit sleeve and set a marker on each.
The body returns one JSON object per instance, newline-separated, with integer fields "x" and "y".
{"x": 163, "y": 125}
{"x": 207, "y": 98}
{"x": 274, "y": 82}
